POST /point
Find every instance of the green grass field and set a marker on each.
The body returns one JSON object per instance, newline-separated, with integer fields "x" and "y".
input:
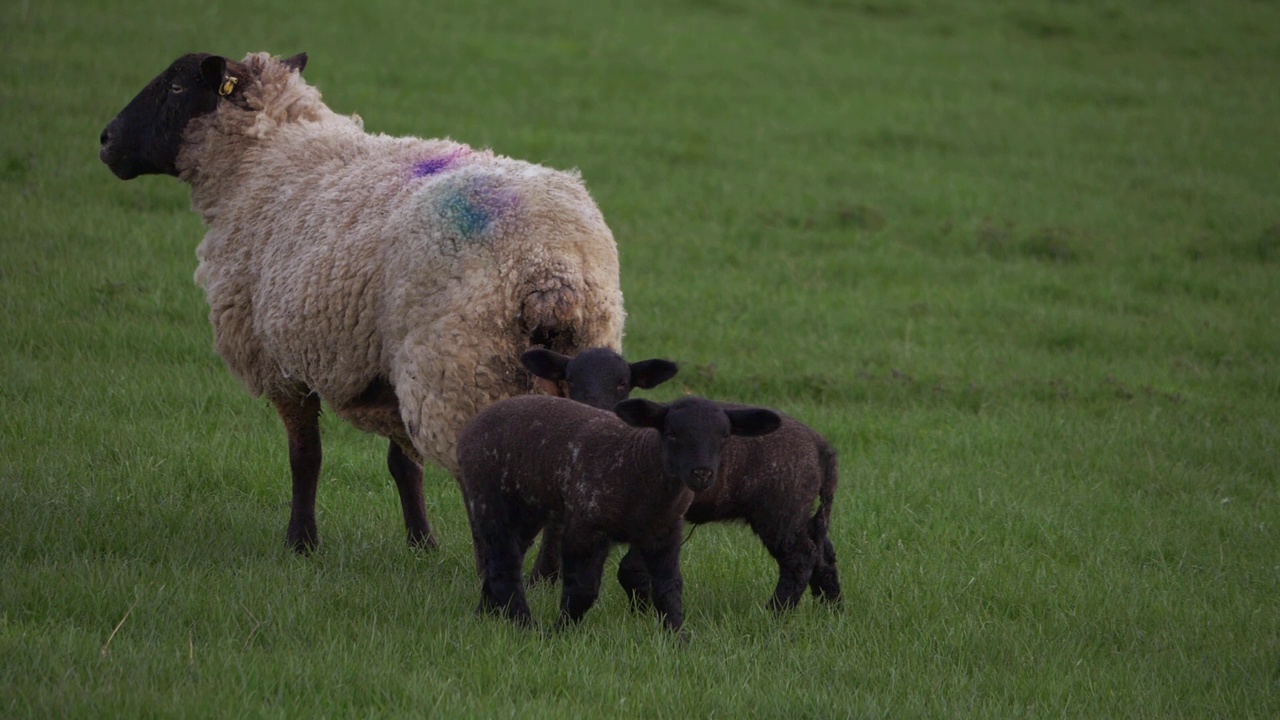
{"x": 1018, "y": 261}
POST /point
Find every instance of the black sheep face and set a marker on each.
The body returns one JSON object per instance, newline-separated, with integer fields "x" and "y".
{"x": 144, "y": 139}
{"x": 598, "y": 377}
{"x": 693, "y": 432}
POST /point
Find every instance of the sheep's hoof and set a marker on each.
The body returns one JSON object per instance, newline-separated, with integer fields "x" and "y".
{"x": 831, "y": 601}
{"x": 783, "y": 606}
{"x": 537, "y": 577}
{"x": 423, "y": 540}
{"x": 302, "y": 543}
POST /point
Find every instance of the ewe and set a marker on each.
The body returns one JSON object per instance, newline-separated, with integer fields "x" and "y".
{"x": 395, "y": 279}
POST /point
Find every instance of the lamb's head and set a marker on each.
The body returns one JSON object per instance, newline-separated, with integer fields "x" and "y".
{"x": 692, "y": 433}
{"x": 145, "y": 138}
{"x": 598, "y": 377}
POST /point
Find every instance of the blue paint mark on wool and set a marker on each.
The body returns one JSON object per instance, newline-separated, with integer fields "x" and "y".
{"x": 473, "y": 206}
{"x": 468, "y": 218}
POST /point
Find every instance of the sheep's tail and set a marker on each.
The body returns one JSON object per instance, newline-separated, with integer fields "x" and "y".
{"x": 825, "y": 581}
{"x": 564, "y": 311}
{"x": 820, "y": 523}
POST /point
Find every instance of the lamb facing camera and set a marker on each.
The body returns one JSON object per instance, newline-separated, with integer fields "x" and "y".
{"x": 602, "y": 477}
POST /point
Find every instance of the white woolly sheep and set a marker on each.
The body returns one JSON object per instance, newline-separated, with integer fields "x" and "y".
{"x": 533, "y": 460}
{"x": 396, "y": 279}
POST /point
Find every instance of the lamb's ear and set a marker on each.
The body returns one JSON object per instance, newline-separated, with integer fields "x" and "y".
{"x": 297, "y": 62}
{"x": 652, "y": 373}
{"x": 641, "y": 413}
{"x": 752, "y": 422}
{"x": 212, "y": 71}
{"x": 544, "y": 363}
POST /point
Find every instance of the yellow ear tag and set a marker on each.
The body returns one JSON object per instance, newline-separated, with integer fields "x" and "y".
{"x": 228, "y": 85}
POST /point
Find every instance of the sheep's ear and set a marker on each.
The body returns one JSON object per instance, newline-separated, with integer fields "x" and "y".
{"x": 641, "y": 413}
{"x": 753, "y": 422}
{"x": 297, "y": 62}
{"x": 212, "y": 71}
{"x": 546, "y": 364}
{"x": 648, "y": 374}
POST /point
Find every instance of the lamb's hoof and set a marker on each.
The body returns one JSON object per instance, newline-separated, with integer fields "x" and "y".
{"x": 537, "y": 577}
{"x": 425, "y": 541}
{"x": 302, "y": 543}
{"x": 782, "y": 607}
{"x": 640, "y": 604}
{"x": 564, "y": 624}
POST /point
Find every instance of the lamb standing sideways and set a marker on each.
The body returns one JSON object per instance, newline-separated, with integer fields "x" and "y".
{"x": 533, "y": 460}
{"x": 771, "y": 482}
{"x": 396, "y": 279}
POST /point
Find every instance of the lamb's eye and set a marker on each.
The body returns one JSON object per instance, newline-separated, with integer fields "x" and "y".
{"x": 176, "y": 88}
{"x": 673, "y": 437}
{"x": 622, "y": 387}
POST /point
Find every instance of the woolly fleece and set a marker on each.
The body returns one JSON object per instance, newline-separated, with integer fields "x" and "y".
{"x": 338, "y": 261}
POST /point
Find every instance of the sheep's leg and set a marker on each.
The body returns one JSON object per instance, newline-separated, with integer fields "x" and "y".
{"x": 301, "y": 418}
{"x": 795, "y": 554}
{"x": 663, "y": 563}
{"x": 498, "y": 547}
{"x": 633, "y": 576}
{"x": 825, "y": 583}
{"x": 408, "y": 477}
{"x": 546, "y": 567}
{"x": 582, "y": 567}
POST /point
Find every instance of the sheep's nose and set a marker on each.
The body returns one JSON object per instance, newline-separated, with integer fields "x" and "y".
{"x": 702, "y": 477}
{"x": 105, "y": 151}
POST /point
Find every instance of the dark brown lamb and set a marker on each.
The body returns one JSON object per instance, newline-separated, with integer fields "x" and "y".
{"x": 771, "y": 482}
{"x": 533, "y": 460}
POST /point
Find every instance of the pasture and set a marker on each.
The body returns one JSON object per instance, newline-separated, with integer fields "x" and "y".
{"x": 1018, "y": 261}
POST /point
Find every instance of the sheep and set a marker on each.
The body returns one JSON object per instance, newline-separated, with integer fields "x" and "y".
{"x": 396, "y": 279}
{"x": 535, "y": 459}
{"x": 598, "y": 377}
{"x": 770, "y": 482}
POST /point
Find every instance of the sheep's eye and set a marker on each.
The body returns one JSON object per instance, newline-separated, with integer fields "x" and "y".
{"x": 673, "y": 437}
{"x": 176, "y": 88}
{"x": 622, "y": 387}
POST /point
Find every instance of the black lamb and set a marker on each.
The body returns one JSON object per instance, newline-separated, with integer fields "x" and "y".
{"x": 771, "y": 482}
{"x": 533, "y": 460}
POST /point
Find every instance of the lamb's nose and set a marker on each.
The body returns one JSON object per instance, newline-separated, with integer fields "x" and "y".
{"x": 702, "y": 477}
{"x": 104, "y": 149}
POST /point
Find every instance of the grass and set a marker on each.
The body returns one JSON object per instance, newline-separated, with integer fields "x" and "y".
{"x": 1020, "y": 262}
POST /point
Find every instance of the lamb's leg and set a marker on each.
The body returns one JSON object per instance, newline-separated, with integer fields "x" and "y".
{"x": 795, "y": 554}
{"x": 499, "y": 549}
{"x": 582, "y": 566}
{"x": 663, "y": 563}
{"x": 301, "y": 418}
{"x": 825, "y": 583}
{"x": 546, "y": 567}
{"x": 633, "y": 576}
{"x": 408, "y": 477}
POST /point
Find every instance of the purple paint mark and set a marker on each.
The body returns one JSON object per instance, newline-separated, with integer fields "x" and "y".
{"x": 437, "y": 164}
